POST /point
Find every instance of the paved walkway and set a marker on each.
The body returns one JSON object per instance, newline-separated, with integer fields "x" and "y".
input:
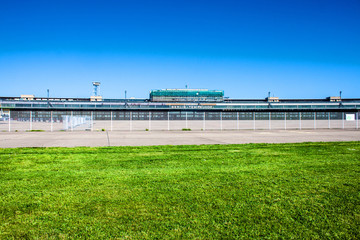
{"x": 143, "y": 138}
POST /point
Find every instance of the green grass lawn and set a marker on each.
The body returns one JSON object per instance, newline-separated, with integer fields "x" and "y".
{"x": 262, "y": 191}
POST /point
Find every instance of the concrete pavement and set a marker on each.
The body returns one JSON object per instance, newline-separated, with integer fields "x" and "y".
{"x": 146, "y": 138}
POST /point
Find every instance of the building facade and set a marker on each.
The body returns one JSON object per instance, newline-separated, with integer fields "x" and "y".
{"x": 172, "y": 109}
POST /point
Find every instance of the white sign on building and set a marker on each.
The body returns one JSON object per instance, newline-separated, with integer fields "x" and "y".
{"x": 350, "y": 117}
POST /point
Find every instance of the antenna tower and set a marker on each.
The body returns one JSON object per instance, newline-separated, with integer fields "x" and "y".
{"x": 96, "y": 86}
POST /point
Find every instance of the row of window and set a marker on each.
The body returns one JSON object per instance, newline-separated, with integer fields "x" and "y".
{"x": 107, "y": 106}
{"x": 181, "y": 115}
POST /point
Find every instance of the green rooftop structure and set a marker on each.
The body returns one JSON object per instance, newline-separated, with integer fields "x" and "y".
{"x": 186, "y": 95}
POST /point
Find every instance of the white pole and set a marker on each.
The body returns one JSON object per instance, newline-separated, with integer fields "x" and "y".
{"x": 130, "y": 121}
{"x": 204, "y": 122}
{"x": 285, "y": 119}
{"x": 186, "y": 123}
{"x": 111, "y": 122}
{"x": 30, "y": 120}
{"x": 9, "y": 120}
{"x": 92, "y": 121}
{"x": 221, "y": 121}
{"x": 254, "y": 120}
{"x": 357, "y": 120}
{"x": 300, "y": 119}
{"x": 343, "y": 122}
{"x": 237, "y": 120}
{"x": 51, "y": 121}
{"x": 269, "y": 120}
{"x": 149, "y": 121}
{"x": 329, "y": 119}
{"x": 314, "y": 120}
{"x": 168, "y": 121}
{"x": 72, "y": 121}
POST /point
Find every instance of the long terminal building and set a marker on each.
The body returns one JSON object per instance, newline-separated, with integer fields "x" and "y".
{"x": 181, "y": 104}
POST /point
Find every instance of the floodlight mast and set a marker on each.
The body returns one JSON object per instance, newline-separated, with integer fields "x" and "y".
{"x": 96, "y": 86}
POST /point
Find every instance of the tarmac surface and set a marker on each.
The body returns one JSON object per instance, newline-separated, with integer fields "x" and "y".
{"x": 147, "y": 138}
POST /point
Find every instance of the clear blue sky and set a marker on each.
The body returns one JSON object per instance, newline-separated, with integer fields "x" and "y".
{"x": 295, "y": 49}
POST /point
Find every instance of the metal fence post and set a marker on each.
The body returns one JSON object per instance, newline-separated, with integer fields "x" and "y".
{"x": 237, "y": 120}
{"x": 254, "y": 121}
{"x": 343, "y": 120}
{"x": 204, "y": 122}
{"x": 149, "y": 121}
{"x": 300, "y": 119}
{"x": 72, "y": 121}
{"x": 168, "y": 121}
{"x": 269, "y": 120}
{"x": 221, "y": 121}
{"x": 357, "y": 120}
{"x": 51, "y": 121}
{"x": 92, "y": 121}
{"x": 111, "y": 121}
{"x": 329, "y": 119}
{"x": 9, "y": 120}
{"x": 285, "y": 119}
{"x": 130, "y": 113}
{"x": 30, "y": 120}
{"x": 186, "y": 123}
{"x": 314, "y": 120}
